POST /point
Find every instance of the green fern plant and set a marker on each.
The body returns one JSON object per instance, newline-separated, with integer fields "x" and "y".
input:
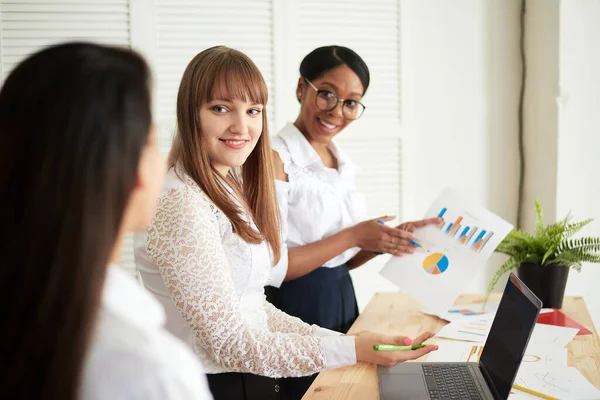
{"x": 550, "y": 244}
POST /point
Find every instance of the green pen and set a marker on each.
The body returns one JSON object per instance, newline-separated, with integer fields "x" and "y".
{"x": 392, "y": 347}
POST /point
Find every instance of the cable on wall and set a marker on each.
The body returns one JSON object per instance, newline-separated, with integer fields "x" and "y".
{"x": 521, "y": 101}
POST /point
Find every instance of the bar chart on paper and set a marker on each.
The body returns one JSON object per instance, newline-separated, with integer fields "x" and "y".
{"x": 467, "y": 312}
{"x": 467, "y": 234}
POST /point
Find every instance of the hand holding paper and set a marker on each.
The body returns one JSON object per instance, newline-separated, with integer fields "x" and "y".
{"x": 457, "y": 245}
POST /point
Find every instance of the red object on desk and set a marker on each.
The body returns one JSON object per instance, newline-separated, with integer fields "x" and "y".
{"x": 556, "y": 317}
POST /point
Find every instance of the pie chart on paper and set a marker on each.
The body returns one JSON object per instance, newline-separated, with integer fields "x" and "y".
{"x": 436, "y": 264}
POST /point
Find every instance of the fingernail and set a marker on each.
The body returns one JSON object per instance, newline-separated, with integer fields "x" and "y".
{"x": 435, "y": 348}
{"x": 407, "y": 341}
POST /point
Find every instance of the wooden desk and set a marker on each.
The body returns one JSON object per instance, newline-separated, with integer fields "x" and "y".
{"x": 396, "y": 313}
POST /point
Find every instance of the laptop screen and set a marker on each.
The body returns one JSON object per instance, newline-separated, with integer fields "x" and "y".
{"x": 505, "y": 346}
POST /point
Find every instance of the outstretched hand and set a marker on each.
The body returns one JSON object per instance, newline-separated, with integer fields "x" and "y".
{"x": 374, "y": 235}
{"x": 366, "y": 340}
{"x": 412, "y": 225}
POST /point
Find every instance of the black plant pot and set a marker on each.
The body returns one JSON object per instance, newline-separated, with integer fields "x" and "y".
{"x": 548, "y": 282}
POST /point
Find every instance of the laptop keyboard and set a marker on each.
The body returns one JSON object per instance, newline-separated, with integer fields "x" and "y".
{"x": 452, "y": 381}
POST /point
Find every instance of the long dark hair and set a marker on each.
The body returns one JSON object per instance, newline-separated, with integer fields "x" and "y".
{"x": 326, "y": 58}
{"x": 74, "y": 119}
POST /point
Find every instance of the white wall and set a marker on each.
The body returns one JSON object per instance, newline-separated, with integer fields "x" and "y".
{"x": 460, "y": 91}
{"x": 579, "y": 130}
{"x": 561, "y": 123}
{"x": 461, "y": 77}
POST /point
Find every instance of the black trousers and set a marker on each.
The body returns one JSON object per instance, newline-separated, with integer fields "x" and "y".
{"x": 324, "y": 297}
{"x": 238, "y": 386}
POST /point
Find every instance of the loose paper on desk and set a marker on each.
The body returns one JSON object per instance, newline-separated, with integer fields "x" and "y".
{"x": 544, "y": 338}
{"x": 474, "y": 329}
{"x": 453, "y": 251}
{"x": 460, "y": 312}
{"x": 562, "y": 383}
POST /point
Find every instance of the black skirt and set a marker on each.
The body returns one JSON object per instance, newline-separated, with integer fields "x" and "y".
{"x": 324, "y": 297}
{"x": 239, "y": 386}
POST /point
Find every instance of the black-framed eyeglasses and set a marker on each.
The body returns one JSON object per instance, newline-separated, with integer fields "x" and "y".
{"x": 327, "y": 101}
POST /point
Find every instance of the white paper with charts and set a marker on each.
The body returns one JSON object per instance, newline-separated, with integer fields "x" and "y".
{"x": 565, "y": 383}
{"x": 452, "y": 252}
{"x": 460, "y": 312}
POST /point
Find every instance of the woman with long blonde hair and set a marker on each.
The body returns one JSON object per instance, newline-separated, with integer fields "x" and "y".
{"x": 208, "y": 252}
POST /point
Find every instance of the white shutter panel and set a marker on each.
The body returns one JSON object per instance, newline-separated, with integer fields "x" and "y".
{"x": 29, "y": 25}
{"x": 186, "y": 27}
{"x": 373, "y": 142}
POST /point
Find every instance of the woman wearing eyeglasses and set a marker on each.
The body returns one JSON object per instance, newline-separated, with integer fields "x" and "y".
{"x": 321, "y": 210}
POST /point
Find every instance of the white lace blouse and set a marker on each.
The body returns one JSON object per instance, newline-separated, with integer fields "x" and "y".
{"x": 317, "y": 201}
{"x": 211, "y": 284}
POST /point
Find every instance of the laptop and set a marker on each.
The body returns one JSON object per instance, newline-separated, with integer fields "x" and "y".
{"x": 492, "y": 377}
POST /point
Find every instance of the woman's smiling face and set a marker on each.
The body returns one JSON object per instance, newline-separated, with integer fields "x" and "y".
{"x": 321, "y": 126}
{"x": 230, "y": 129}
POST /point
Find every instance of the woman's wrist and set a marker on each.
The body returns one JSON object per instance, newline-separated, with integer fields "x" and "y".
{"x": 351, "y": 234}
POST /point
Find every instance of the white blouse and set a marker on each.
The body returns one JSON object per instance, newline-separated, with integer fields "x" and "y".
{"x": 132, "y": 356}
{"x": 317, "y": 201}
{"x": 211, "y": 283}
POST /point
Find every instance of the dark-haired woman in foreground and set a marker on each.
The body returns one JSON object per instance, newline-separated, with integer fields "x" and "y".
{"x": 321, "y": 210}
{"x": 79, "y": 168}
